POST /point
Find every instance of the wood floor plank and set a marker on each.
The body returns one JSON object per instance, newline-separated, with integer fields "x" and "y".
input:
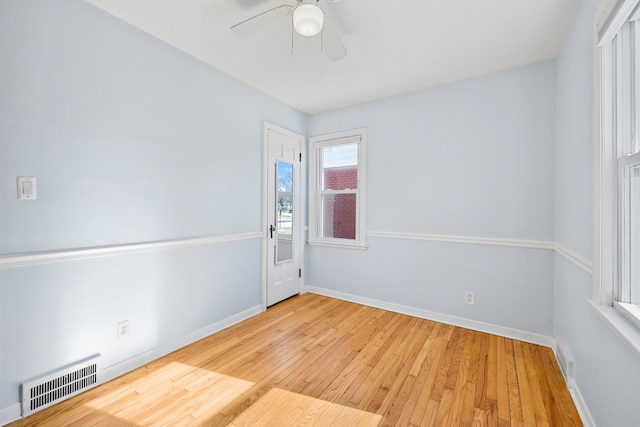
{"x": 444, "y": 408}
{"x": 400, "y": 388}
{"x": 462, "y": 405}
{"x": 394, "y": 371}
{"x": 444, "y": 366}
{"x": 559, "y": 406}
{"x": 524, "y": 387}
{"x": 431, "y": 412}
{"x": 426, "y": 380}
{"x": 502, "y": 382}
{"x": 513, "y": 386}
{"x": 467, "y": 409}
{"x": 318, "y": 361}
{"x": 370, "y": 381}
{"x": 481, "y": 382}
{"x": 412, "y": 400}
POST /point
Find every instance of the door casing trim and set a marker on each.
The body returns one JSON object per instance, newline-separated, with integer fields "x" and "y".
{"x": 267, "y": 126}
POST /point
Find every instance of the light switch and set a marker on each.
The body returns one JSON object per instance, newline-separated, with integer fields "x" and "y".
{"x": 27, "y": 188}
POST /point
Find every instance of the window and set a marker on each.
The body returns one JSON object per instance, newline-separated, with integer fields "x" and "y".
{"x": 617, "y": 266}
{"x": 337, "y": 189}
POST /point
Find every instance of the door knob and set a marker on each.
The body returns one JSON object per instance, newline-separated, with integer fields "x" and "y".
{"x": 272, "y": 229}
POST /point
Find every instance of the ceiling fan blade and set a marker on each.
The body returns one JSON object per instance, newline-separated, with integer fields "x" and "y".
{"x": 263, "y": 19}
{"x": 331, "y": 43}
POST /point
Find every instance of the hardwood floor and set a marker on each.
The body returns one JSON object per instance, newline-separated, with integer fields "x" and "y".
{"x": 317, "y": 361}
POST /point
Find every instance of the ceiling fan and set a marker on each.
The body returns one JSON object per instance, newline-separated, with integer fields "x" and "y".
{"x": 308, "y": 20}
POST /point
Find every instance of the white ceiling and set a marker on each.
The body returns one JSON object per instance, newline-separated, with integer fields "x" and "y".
{"x": 394, "y": 46}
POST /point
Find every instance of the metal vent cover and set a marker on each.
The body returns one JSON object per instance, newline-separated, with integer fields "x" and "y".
{"x": 565, "y": 361}
{"x": 48, "y": 390}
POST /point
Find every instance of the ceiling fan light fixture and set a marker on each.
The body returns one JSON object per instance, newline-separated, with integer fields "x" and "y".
{"x": 308, "y": 20}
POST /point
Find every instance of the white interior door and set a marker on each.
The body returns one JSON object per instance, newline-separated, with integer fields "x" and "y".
{"x": 282, "y": 213}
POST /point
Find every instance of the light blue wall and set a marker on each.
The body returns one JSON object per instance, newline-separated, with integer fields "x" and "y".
{"x": 606, "y": 372}
{"x": 471, "y": 159}
{"x": 117, "y": 125}
{"x": 131, "y": 141}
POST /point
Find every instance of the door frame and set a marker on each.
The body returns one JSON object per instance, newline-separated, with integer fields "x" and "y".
{"x": 299, "y": 191}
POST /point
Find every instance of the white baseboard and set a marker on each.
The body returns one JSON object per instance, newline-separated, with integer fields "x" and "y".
{"x": 13, "y": 413}
{"x": 578, "y": 400}
{"x": 129, "y": 365}
{"x": 502, "y": 331}
{"x": 10, "y": 414}
{"x": 581, "y": 406}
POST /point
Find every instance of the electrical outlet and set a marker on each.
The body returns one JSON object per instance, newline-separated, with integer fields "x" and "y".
{"x": 123, "y": 330}
{"x": 470, "y": 298}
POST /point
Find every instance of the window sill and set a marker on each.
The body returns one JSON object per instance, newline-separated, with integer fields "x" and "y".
{"x": 619, "y": 324}
{"x": 356, "y": 246}
{"x": 630, "y": 311}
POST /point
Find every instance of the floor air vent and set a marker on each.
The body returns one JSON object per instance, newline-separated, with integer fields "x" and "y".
{"x": 565, "y": 361}
{"x": 58, "y": 386}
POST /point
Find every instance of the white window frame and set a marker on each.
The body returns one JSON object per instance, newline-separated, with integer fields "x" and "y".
{"x": 358, "y": 136}
{"x": 623, "y": 318}
{"x": 630, "y": 311}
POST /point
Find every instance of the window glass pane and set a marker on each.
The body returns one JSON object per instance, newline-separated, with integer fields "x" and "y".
{"x": 339, "y": 216}
{"x": 631, "y": 247}
{"x": 284, "y": 201}
{"x": 339, "y": 167}
{"x": 626, "y": 88}
{"x": 284, "y": 211}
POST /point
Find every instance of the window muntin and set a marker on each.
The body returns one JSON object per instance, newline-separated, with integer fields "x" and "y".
{"x": 337, "y": 196}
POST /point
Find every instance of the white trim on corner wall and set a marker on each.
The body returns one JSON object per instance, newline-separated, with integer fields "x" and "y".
{"x": 581, "y": 406}
{"x": 575, "y": 258}
{"x": 502, "y": 331}
{"x": 491, "y": 241}
{"x": 561, "y": 352}
{"x": 519, "y": 243}
{"x": 21, "y": 259}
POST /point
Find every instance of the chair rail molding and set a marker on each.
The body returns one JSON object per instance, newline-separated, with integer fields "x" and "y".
{"x": 21, "y": 259}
